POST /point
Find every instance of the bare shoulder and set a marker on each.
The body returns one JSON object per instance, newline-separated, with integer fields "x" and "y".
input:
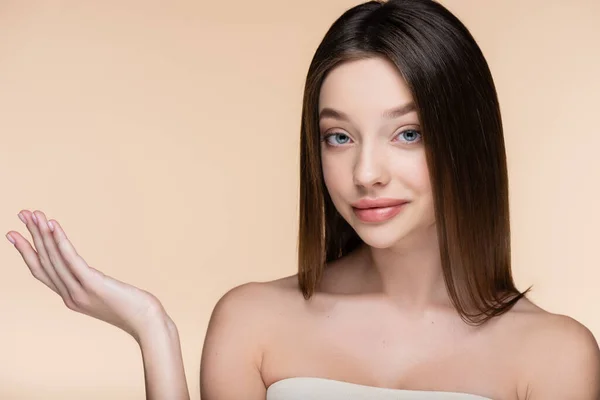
{"x": 252, "y": 304}
{"x": 240, "y": 328}
{"x": 560, "y": 357}
{"x": 255, "y": 299}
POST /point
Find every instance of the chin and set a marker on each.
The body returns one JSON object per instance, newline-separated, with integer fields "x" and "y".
{"x": 381, "y": 236}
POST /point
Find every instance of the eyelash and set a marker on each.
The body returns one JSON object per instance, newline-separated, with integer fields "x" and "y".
{"x": 325, "y": 137}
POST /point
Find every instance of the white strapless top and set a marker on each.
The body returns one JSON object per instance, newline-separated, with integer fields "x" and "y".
{"x": 306, "y": 388}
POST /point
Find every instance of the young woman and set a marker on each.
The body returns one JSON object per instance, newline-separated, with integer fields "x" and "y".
{"x": 404, "y": 288}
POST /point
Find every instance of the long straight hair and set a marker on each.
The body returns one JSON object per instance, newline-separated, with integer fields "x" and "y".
{"x": 458, "y": 108}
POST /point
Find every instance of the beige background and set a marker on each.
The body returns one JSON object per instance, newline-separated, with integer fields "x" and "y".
{"x": 164, "y": 137}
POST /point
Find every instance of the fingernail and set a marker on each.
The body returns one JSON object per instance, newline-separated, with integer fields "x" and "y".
{"x": 34, "y": 218}
{"x": 10, "y": 239}
{"x": 22, "y": 218}
{"x": 51, "y": 226}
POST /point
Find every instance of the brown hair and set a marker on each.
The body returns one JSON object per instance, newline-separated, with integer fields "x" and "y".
{"x": 457, "y": 105}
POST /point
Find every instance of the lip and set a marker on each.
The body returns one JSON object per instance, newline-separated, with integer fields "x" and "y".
{"x": 378, "y": 210}
{"x": 378, "y": 203}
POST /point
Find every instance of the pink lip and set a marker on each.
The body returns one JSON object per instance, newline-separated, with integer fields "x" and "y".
{"x": 383, "y": 210}
{"x": 380, "y": 202}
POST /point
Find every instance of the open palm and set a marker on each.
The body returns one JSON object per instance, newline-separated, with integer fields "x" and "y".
{"x": 82, "y": 288}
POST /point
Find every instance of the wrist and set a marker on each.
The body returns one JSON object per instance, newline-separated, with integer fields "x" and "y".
{"x": 156, "y": 329}
{"x": 164, "y": 371}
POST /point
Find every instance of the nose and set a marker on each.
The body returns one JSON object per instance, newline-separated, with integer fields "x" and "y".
{"x": 370, "y": 168}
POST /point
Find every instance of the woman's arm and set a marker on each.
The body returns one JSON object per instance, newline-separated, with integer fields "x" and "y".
{"x": 232, "y": 352}
{"x": 562, "y": 361}
{"x": 84, "y": 289}
{"x": 163, "y": 363}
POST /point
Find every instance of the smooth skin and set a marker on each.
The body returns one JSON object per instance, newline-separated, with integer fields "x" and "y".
{"x": 381, "y": 316}
{"x": 54, "y": 261}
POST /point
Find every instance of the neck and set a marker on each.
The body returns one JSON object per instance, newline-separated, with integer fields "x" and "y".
{"x": 409, "y": 273}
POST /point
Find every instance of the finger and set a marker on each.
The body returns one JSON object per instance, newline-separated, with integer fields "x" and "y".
{"x": 55, "y": 257}
{"x": 73, "y": 261}
{"x": 33, "y": 228}
{"x": 31, "y": 259}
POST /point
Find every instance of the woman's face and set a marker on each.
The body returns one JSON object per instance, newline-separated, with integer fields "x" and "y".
{"x": 372, "y": 148}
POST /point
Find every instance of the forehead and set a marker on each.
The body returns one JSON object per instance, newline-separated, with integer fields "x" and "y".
{"x": 370, "y": 84}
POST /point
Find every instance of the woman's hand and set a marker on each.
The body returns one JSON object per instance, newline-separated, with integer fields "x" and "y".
{"x": 82, "y": 288}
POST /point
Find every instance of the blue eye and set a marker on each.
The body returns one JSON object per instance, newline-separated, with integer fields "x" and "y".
{"x": 339, "y": 134}
{"x": 410, "y": 136}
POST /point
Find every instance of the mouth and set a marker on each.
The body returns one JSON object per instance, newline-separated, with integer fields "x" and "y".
{"x": 379, "y": 214}
{"x": 379, "y": 202}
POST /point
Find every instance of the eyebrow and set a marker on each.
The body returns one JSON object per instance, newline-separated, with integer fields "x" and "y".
{"x": 392, "y": 113}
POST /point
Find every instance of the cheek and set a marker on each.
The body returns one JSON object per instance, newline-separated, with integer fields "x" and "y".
{"x": 421, "y": 185}
{"x": 338, "y": 183}
{"x": 333, "y": 175}
{"x": 421, "y": 178}
{"x": 413, "y": 172}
